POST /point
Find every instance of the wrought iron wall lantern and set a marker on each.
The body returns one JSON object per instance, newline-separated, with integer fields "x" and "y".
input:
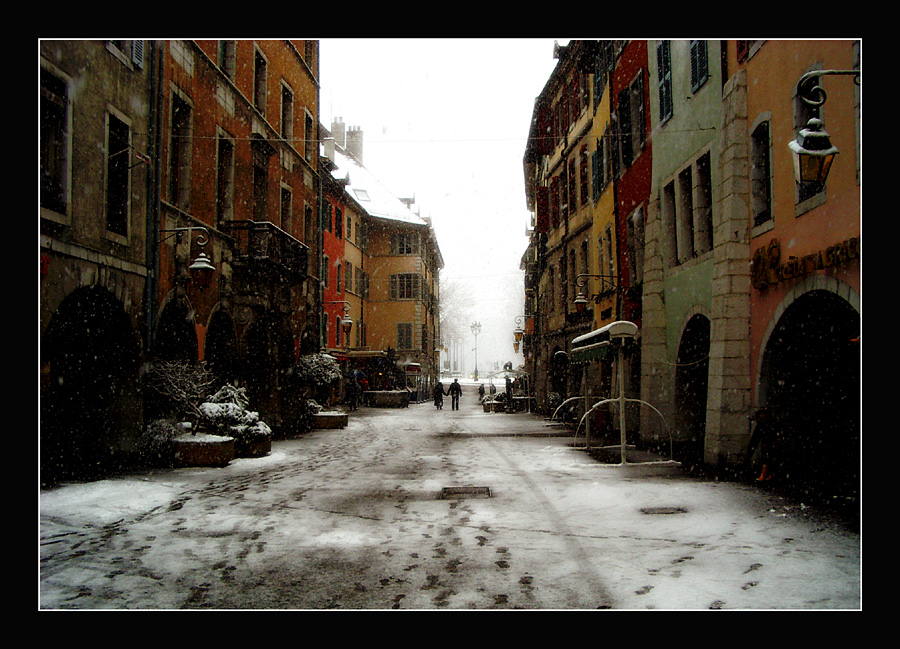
{"x": 202, "y": 269}
{"x": 519, "y": 333}
{"x": 812, "y": 151}
{"x": 346, "y": 321}
{"x": 581, "y": 300}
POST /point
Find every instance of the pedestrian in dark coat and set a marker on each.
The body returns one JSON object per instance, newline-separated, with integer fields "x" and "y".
{"x": 765, "y": 437}
{"x": 439, "y": 396}
{"x": 455, "y": 392}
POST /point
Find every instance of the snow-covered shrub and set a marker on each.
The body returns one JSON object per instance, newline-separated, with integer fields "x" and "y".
{"x": 317, "y": 370}
{"x": 177, "y": 388}
{"x": 226, "y": 411}
{"x": 156, "y": 442}
{"x": 231, "y": 394}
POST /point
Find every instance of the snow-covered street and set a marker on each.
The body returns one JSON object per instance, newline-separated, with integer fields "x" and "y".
{"x": 354, "y": 519}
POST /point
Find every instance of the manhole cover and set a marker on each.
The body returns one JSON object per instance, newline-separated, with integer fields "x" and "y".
{"x": 464, "y": 492}
{"x": 663, "y": 510}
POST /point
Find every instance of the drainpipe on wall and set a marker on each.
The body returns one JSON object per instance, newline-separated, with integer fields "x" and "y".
{"x": 157, "y": 54}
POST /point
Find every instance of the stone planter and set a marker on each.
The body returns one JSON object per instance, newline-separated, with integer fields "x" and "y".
{"x": 498, "y": 406}
{"x": 387, "y": 398}
{"x": 203, "y": 449}
{"x": 486, "y": 405}
{"x": 253, "y": 447}
{"x": 328, "y": 420}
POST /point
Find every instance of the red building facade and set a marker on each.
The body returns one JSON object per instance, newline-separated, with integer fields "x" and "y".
{"x": 238, "y": 182}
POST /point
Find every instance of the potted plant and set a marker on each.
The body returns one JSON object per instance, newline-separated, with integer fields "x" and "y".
{"x": 175, "y": 390}
{"x": 226, "y": 412}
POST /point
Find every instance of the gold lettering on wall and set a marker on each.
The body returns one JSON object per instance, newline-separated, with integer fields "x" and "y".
{"x": 767, "y": 268}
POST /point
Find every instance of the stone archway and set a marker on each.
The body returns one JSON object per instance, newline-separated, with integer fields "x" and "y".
{"x": 176, "y": 333}
{"x": 691, "y": 388}
{"x": 810, "y": 381}
{"x": 559, "y": 369}
{"x": 268, "y": 353}
{"x": 91, "y": 412}
{"x": 221, "y": 348}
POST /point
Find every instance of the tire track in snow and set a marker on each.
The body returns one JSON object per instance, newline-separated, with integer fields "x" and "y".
{"x": 576, "y": 551}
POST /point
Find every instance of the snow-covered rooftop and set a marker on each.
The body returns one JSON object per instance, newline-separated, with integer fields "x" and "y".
{"x": 370, "y": 193}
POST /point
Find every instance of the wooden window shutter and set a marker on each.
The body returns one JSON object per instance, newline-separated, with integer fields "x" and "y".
{"x": 137, "y": 53}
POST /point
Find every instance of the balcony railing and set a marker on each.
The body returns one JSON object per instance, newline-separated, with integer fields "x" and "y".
{"x": 264, "y": 246}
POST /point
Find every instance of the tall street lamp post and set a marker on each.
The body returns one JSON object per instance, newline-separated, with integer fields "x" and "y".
{"x": 476, "y": 329}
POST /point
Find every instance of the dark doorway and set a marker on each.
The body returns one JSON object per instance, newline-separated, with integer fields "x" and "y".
{"x": 221, "y": 353}
{"x": 90, "y": 404}
{"x": 691, "y": 386}
{"x": 810, "y": 380}
{"x": 269, "y": 354}
{"x": 176, "y": 338}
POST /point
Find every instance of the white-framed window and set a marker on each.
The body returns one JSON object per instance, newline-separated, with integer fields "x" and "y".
{"x": 699, "y": 64}
{"x": 227, "y": 58}
{"x": 405, "y": 335}
{"x": 309, "y": 134}
{"x": 635, "y": 236}
{"x": 260, "y": 81}
{"x": 761, "y": 174}
{"x": 405, "y": 243}
{"x": 181, "y": 129}
{"x": 687, "y": 213}
{"x": 55, "y": 144}
{"x": 287, "y": 113}
{"x": 664, "y": 79}
{"x": 183, "y": 55}
{"x": 131, "y": 53}
{"x": 405, "y": 286}
{"x": 118, "y": 174}
{"x": 260, "y": 195}
{"x": 224, "y": 177}
{"x": 287, "y": 208}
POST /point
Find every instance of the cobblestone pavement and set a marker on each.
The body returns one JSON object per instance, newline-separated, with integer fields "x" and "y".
{"x": 354, "y": 519}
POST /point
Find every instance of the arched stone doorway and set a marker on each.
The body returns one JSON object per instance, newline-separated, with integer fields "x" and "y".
{"x": 221, "y": 349}
{"x": 91, "y": 413}
{"x": 176, "y": 335}
{"x": 559, "y": 369}
{"x": 691, "y": 389}
{"x": 269, "y": 353}
{"x": 810, "y": 382}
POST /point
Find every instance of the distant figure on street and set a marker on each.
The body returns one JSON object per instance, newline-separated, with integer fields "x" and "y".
{"x": 765, "y": 436}
{"x": 508, "y": 390}
{"x": 481, "y": 392}
{"x": 439, "y": 396}
{"x": 455, "y": 391}
{"x": 353, "y": 390}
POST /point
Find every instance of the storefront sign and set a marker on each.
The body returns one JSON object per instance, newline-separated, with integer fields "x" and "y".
{"x": 768, "y": 268}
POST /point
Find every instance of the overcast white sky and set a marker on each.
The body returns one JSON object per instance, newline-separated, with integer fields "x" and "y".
{"x": 446, "y": 120}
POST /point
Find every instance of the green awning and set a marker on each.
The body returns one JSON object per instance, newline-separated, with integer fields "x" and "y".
{"x": 588, "y": 353}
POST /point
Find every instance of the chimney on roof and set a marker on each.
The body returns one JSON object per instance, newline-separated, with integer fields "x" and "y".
{"x": 337, "y": 130}
{"x": 355, "y": 143}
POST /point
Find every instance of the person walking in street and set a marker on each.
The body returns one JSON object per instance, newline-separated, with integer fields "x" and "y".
{"x": 455, "y": 392}
{"x": 765, "y": 436}
{"x": 481, "y": 392}
{"x": 439, "y": 396}
{"x": 353, "y": 391}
